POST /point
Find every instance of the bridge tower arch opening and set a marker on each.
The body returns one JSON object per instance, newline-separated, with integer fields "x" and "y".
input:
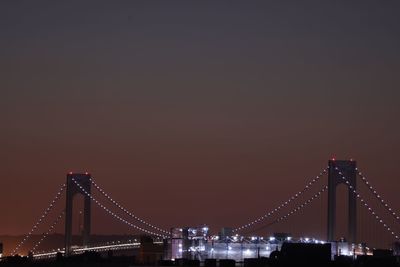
{"x": 348, "y": 168}
{"x": 83, "y": 179}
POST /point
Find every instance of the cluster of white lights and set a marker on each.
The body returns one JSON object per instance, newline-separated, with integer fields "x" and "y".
{"x": 236, "y": 238}
{"x": 113, "y": 214}
{"x": 51, "y": 228}
{"x": 41, "y": 219}
{"x": 301, "y": 206}
{"x": 379, "y": 197}
{"x": 284, "y": 204}
{"x": 311, "y": 240}
{"x": 373, "y": 213}
{"x": 125, "y": 210}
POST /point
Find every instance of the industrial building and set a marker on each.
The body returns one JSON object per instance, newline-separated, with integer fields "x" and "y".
{"x": 195, "y": 243}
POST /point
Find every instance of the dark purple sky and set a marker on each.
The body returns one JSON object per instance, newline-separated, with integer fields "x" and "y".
{"x": 194, "y": 112}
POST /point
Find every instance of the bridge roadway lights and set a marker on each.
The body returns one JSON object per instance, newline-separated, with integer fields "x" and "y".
{"x": 100, "y": 248}
{"x": 348, "y": 168}
{"x": 82, "y": 179}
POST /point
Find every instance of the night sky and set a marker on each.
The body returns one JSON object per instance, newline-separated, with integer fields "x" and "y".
{"x": 194, "y": 112}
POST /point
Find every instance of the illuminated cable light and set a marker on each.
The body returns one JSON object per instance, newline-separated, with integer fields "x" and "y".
{"x": 376, "y": 217}
{"x": 284, "y": 204}
{"x": 301, "y": 206}
{"x": 35, "y": 226}
{"x": 380, "y": 199}
{"x": 114, "y": 214}
{"x": 48, "y": 231}
{"x": 125, "y": 210}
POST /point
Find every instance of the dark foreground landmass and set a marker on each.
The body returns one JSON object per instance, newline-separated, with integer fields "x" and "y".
{"x": 276, "y": 260}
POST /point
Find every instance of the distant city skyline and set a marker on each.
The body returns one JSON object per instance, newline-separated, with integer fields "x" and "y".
{"x": 194, "y": 113}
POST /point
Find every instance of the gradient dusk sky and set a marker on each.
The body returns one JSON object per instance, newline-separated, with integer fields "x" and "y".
{"x": 192, "y": 112}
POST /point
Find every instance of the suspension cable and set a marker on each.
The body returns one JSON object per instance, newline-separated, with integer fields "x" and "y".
{"x": 295, "y": 210}
{"x": 125, "y": 210}
{"x": 51, "y": 228}
{"x": 379, "y": 197}
{"x": 284, "y": 204}
{"x": 365, "y": 204}
{"x": 41, "y": 219}
{"x": 114, "y": 214}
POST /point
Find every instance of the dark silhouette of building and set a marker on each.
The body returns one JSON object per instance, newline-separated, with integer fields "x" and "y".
{"x": 150, "y": 253}
{"x": 305, "y": 254}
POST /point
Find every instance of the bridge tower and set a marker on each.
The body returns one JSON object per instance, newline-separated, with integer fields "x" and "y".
{"x": 349, "y": 171}
{"x": 83, "y": 179}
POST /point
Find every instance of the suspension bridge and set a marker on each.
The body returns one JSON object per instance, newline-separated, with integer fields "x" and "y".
{"x": 366, "y": 208}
